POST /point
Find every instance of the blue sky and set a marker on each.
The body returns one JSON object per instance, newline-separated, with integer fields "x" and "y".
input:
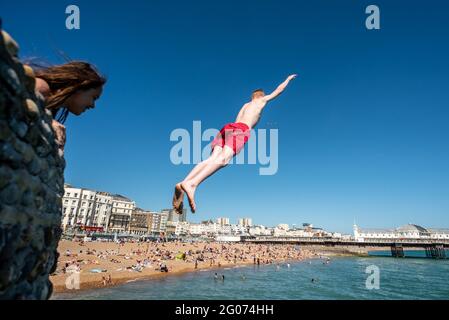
{"x": 363, "y": 131}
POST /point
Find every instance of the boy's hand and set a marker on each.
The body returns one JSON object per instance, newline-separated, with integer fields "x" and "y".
{"x": 279, "y": 89}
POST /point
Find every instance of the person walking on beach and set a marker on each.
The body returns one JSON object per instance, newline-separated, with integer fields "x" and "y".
{"x": 229, "y": 142}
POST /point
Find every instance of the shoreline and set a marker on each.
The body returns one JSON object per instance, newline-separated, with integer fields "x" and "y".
{"x": 272, "y": 256}
{"x": 93, "y": 284}
{"x": 89, "y": 285}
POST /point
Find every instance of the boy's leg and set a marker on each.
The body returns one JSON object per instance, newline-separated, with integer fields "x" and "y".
{"x": 179, "y": 193}
{"x": 213, "y": 157}
{"x": 218, "y": 162}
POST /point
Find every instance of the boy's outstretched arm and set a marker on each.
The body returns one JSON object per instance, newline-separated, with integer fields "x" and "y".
{"x": 280, "y": 88}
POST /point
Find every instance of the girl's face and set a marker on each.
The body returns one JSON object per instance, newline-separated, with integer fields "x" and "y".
{"x": 83, "y": 100}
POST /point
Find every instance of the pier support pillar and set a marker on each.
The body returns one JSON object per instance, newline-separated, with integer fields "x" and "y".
{"x": 397, "y": 251}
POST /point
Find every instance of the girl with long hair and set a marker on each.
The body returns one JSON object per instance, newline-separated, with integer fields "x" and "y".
{"x": 72, "y": 87}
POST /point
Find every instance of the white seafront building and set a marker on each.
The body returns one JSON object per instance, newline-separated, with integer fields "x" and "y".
{"x": 260, "y": 230}
{"x": 408, "y": 231}
{"x": 114, "y": 213}
{"x": 85, "y": 207}
{"x": 245, "y": 222}
{"x": 217, "y": 229}
{"x": 70, "y": 204}
{"x": 307, "y": 231}
{"x": 103, "y": 209}
{"x": 223, "y": 221}
{"x": 118, "y": 214}
{"x": 209, "y": 229}
{"x": 122, "y": 209}
{"x": 182, "y": 228}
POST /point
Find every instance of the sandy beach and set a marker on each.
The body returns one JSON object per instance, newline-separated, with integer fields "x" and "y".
{"x": 102, "y": 264}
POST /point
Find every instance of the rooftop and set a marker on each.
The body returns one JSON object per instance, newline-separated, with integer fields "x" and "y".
{"x": 411, "y": 228}
{"x": 121, "y": 198}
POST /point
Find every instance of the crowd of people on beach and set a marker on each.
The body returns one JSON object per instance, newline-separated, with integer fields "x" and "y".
{"x": 149, "y": 257}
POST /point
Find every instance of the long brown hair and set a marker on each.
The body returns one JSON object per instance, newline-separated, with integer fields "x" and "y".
{"x": 66, "y": 79}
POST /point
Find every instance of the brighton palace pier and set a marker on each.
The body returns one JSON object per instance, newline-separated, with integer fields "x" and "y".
{"x": 410, "y": 237}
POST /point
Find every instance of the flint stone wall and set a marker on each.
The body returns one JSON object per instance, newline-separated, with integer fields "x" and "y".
{"x": 31, "y": 182}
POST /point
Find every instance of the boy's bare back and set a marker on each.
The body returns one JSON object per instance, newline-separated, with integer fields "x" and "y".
{"x": 250, "y": 112}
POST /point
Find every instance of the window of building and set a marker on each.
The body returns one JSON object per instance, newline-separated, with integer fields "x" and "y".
{"x": 76, "y": 195}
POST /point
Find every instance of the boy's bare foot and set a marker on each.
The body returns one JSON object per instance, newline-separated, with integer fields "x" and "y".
{"x": 178, "y": 198}
{"x": 190, "y": 191}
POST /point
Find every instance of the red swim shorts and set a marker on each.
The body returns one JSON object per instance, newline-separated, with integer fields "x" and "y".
{"x": 233, "y": 135}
